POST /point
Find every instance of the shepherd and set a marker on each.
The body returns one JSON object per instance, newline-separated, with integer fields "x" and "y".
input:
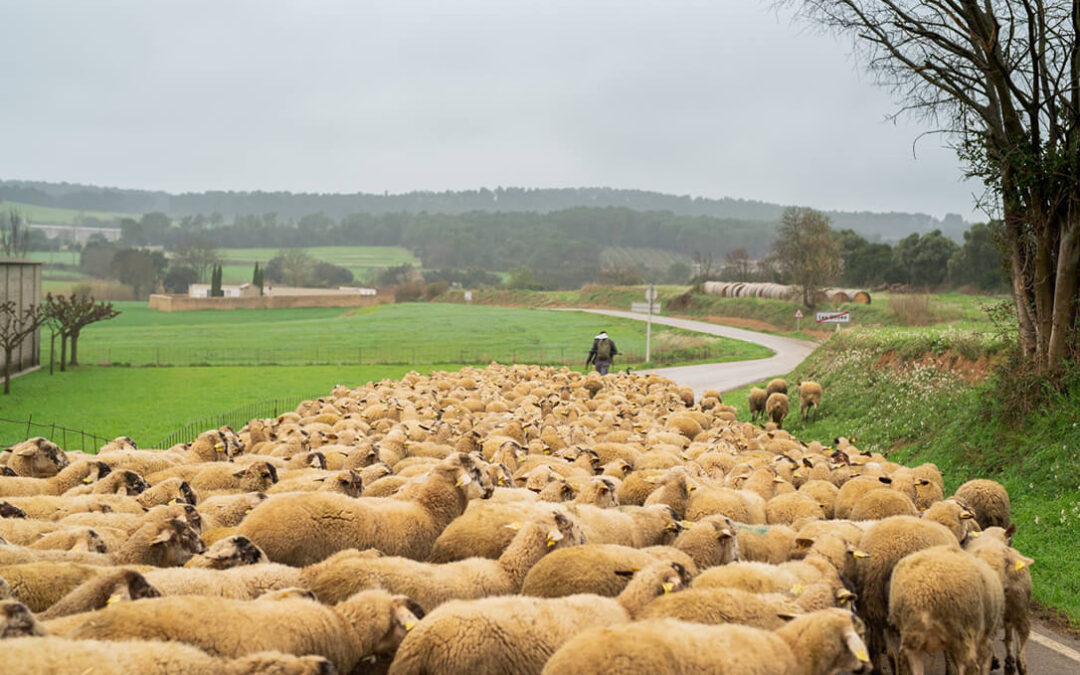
{"x": 602, "y": 353}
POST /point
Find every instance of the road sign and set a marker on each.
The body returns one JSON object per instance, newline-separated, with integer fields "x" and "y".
{"x": 834, "y": 317}
{"x": 650, "y": 293}
{"x": 798, "y": 314}
{"x": 468, "y": 296}
{"x": 643, "y": 307}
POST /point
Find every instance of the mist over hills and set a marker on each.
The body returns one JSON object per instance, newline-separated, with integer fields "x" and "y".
{"x": 293, "y": 206}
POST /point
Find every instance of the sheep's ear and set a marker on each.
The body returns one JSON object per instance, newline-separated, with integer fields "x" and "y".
{"x": 27, "y": 451}
{"x": 463, "y": 479}
{"x": 163, "y": 537}
{"x": 1010, "y": 531}
{"x": 803, "y": 543}
{"x": 516, "y": 525}
{"x": 626, "y": 574}
{"x": 885, "y": 479}
{"x": 1022, "y": 562}
{"x": 857, "y": 647}
{"x": 239, "y": 473}
{"x": 788, "y": 616}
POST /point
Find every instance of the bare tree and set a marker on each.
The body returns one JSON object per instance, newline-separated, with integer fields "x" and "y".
{"x": 737, "y": 265}
{"x": 14, "y": 234}
{"x": 1003, "y": 78}
{"x": 71, "y": 314}
{"x": 198, "y": 254}
{"x": 15, "y": 327}
{"x": 806, "y": 251}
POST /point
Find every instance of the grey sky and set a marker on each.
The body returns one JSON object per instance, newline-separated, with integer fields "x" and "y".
{"x": 711, "y": 98}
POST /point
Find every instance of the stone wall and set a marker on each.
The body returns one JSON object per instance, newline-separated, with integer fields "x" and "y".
{"x": 20, "y": 280}
{"x": 183, "y": 303}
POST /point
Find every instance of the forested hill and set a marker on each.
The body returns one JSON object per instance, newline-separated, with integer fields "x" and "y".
{"x": 288, "y": 205}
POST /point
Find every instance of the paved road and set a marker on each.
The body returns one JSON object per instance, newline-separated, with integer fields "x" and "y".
{"x": 1049, "y": 652}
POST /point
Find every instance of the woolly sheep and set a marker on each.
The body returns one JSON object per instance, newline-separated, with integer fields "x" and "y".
{"x": 366, "y": 624}
{"x": 758, "y": 397}
{"x": 809, "y": 397}
{"x": 988, "y": 499}
{"x": 231, "y": 551}
{"x": 600, "y": 569}
{"x": 953, "y": 515}
{"x": 292, "y": 529}
{"x": 777, "y": 386}
{"x": 944, "y": 598}
{"x": 1013, "y": 571}
{"x": 72, "y": 475}
{"x": 776, "y": 409}
{"x": 36, "y": 458}
{"x": 518, "y": 634}
{"x": 106, "y": 588}
{"x": 50, "y": 655}
{"x": 719, "y": 605}
{"x": 785, "y": 509}
{"x": 72, "y": 539}
{"x": 171, "y": 491}
{"x": 122, "y": 483}
{"x": 739, "y": 505}
{"x": 821, "y": 643}
{"x": 878, "y": 504}
{"x": 228, "y": 510}
{"x": 768, "y": 544}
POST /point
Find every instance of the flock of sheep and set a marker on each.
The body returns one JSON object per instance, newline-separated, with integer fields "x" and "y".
{"x": 507, "y": 520}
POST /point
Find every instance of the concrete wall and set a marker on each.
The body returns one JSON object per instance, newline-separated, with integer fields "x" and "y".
{"x": 183, "y": 303}
{"x": 20, "y": 280}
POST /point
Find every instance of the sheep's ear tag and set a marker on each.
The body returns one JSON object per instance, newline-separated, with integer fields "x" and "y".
{"x": 88, "y": 480}
{"x": 554, "y": 537}
{"x": 113, "y": 599}
{"x": 860, "y": 554}
{"x": 975, "y": 535}
{"x": 687, "y": 524}
{"x": 219, "y": 447}
{"x": 668, "y": 586}
{"x": 409, "y": 625}
{"x": 798, "y": 589}
{"x": 513, "y": 526}
{"x": 862, "y": 656}
{"x": 174, "y": 500}
{"x": 464, "y": 479}
{"x": 1022, "y": 562}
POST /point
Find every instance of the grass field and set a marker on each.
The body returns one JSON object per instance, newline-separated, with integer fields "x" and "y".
{"x": 400, "y": 333}
{"x": 919, "y": 396}
{"x": 149, "y": 403}
{"x": 51, "y": 215}
{"x": 360, "y": 260}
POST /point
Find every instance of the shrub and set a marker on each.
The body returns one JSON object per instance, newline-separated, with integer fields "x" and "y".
{"x": 912, "y": 310}
{"x": 409, "y": 292}
{"x": 435, "y": 289}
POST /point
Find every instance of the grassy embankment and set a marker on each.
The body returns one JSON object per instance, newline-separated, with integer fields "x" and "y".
{"x": 932, "y": 396}
{"x": 147, "y": 403}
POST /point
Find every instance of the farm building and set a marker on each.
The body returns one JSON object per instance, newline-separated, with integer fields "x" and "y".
{"x": 240, "y": 291}
{"x": 20, "y": 280}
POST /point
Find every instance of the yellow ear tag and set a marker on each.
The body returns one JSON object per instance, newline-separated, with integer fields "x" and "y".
{"x": 1020, "y": 564}
{"x": 174, "y": 500}
{"x": 798, "y": 589}
{"x": 975, "y": 535}
{"x": 860, "y": 554}
{"x": 113, "y": 599}
{"x": 862, "y": 656}
{"x": 409, "y": 625}
{"x": 668, "y": 586}
{"x": 88, "y": 480}
{"x": 777, "y": 479}
{"x": 687, "y": 524}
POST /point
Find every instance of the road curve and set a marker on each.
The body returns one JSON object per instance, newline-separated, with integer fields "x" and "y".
{"x": 787, "y": 353}
{"x": 1049, "y": 652}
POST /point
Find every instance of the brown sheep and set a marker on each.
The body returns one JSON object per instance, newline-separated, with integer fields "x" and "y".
{"x": 809, "y": 397}
{"x": 776, "y": 408}
{"x": 758, "y": 397}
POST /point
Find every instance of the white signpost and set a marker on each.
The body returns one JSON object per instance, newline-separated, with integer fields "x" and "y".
{"x": 834, "y": 317}
{"x": 798, "y": 319}
{"x": 650, "y": 297}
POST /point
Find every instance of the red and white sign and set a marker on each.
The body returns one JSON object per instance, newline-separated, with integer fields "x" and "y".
{"x": 834, "y": 317}
{"x": 798, "y": 314}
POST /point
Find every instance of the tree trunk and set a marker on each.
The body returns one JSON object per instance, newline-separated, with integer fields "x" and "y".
{"x": 1063, "y": 325}
{"x": 63, "y": 352}
{"x": 7, "y": 370}
{"x": 52, "y": 351}
{"x": 1019, "y": 277}
{"x": 74, "y": 348}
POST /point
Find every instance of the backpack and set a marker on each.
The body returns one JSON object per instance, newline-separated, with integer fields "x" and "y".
{"x": 603, "y": 350}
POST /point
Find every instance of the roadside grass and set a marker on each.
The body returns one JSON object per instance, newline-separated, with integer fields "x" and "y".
{"x": 919, "y": 396}
{"x": 149, "y": 403}
{"x": 399, "y": 333}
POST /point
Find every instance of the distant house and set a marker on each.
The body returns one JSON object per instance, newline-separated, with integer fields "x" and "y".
{"x": 241, "y": 291}
{"x": 20, "y": 280}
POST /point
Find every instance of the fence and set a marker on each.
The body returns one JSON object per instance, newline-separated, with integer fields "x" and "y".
{"x": 16, "y": 431}
{"x": 383, "y": 354}
{"x": 234, "y": 418}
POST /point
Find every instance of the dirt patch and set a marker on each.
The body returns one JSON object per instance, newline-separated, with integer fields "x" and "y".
{"x": 968, "y": 370}
{"x": 1055, "y": 619}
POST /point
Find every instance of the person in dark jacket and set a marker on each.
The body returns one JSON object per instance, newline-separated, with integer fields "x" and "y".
{"x": 602, "y": 353}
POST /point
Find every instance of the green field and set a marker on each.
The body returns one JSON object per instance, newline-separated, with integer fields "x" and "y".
{"x": 53, "y": 215}
{"x": 360, "y": 260}
{"x": 903, "y": 392}
{"x": 149, "y": 403}
{"x": 402, "y": 333}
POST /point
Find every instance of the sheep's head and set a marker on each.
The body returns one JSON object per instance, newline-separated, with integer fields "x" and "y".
{"x": 88, "y": 541}
{"x": 658, "y": 579}
{"x": 122, "y": 483}
{"x": 233, "y": 551}
{"x": 378, "y": 613}
{"x": 257, "y": 476}
{"x": 38, "y": 458}
{"x": 469, "y": 475}
{"x": 11, "y": 511}
{"x": 16, "y": 620}
{"x": 347, "y": 482}
{"x": 130, "y": 585}
{"x": 315, "y": 460}
{"x": 174, "y": 543}
{"x": 571, "y": 532}
{"x": 836, "y": 635}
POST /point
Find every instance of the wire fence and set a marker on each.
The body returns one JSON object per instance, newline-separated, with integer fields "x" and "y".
{"x": 390, "y": 354}
{"x": 235, "y": 418}
{"x": 16, "y": 431}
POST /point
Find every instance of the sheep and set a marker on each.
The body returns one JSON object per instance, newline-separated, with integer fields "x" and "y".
{"x": 161, "y": 544}
{"x": 367, "y": 624}
{"x": 824, "y": 493}
{"x": 50, "y": 655}
{"x": 768, "y": 544}
{"x": 674, "y": 491}
{"x": 1012, "y": 570}
{"x": 944, "y": 598}
{"x": 886, "y": 542}
{"x": 11, "y": 511}
{"x": 231, "y": 551}
{"x": 953, "y": 515}
{"x": 518, "y": 634}
{"x": 432, "y": 584}
{"x": 170, "y": 491}
{"x": 809, "y": 397}
{"x": 709, "y": 542}
{"x": 222, "y": 477}
{"x": 758, "y": 397}
{"x": 785, "y": 509}
{"x": 72, "y": 475}
{"x": 71, "y": 539}
{"x": 36, "y": 457}
{"x": 122, "y": 483}
{"x": 599, "y": 492}
{"x": 988, "y": 499}
{"x": 724, "y": 605}
{"x": 106, "y": 588}
{"x": 302, "y": 528}
{"x": 777, "y": 386}
{"x": 636, "y": 526}
{"x": 228, "y": 510}
{"x": 595, "y": 568}
{"x": 776, "y": 409}
{"x": 878, "y": 504}
{"x": 820, "y": 643}
{"x": 739, "y": 505}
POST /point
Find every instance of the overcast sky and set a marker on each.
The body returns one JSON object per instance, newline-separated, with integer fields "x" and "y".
{"x": 710, "y": 98}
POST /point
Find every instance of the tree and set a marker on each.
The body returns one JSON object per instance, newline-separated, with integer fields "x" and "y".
{"x": 291, "y": 266}
{"x": 978, "y": 262}
{"x": 179, "y": 278}
{"x": 198, "y": 254}
{"x": 215, "y": 283}
{"x": 924, "y": 260}
{"x": 72, "y": 314}
{"x": 96, "y": 259}
{"x": 1002, "y": 77}
{"x": 15, "y": 326}
{"x": 14, "y": 234}
{"x": 806, "y": 251}
{"x": 737, "y": 265}
{"x": 257, "y": 278}
{"x": 329, "y": 275}
{"x": 139, "y": 269}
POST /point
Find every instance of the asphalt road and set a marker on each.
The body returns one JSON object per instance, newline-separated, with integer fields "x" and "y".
{"x": 1049, "y": 652}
